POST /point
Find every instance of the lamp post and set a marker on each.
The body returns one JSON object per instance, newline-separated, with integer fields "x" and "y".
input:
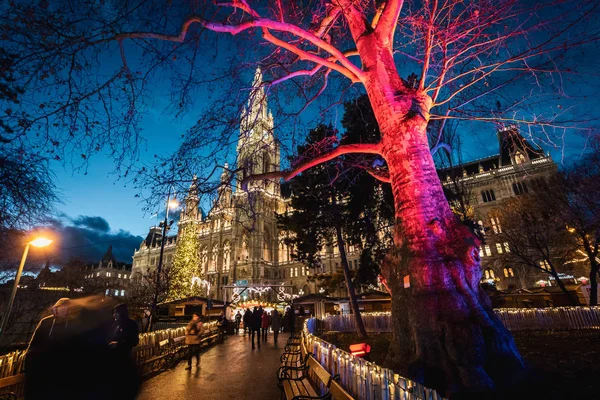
{"x": 39, "y": 242}
{"x": 165, "y": 225}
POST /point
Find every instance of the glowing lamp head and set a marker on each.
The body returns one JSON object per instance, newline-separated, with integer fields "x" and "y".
{"x": 40, "y": 242}
{"x": 173, "y": 204}
{"x": 360, "y": 349}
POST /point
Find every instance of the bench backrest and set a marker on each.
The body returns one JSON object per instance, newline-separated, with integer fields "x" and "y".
{"x": 319, "y": 372}
{"x": 338, "y": 392}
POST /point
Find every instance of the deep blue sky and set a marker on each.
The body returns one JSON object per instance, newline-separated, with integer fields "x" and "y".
{"x": 96, "y": 192}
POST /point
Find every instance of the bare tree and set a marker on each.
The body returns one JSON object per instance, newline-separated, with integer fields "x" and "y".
{"x": 537, "y": 238}
{"x": 445, "y": 332}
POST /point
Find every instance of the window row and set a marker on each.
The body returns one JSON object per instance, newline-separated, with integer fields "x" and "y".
{"x": 518, "y": 188}
{"x": 501, "y": 248}
{"x": 489, "y": 274}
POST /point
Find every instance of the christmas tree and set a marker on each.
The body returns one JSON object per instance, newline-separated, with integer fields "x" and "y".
{"x": 186, "y": 264}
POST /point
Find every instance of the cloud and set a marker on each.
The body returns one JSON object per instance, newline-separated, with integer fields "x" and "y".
{"x": 93, "y": 223}
{"x": 87, "y": 238}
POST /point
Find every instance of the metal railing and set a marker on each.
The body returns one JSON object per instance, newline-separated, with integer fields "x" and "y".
{"x": 363, "y": 379}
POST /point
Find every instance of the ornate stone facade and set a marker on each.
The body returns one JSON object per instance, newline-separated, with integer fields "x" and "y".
{"x": 240, "y": 240}
{"x": 517, "y": 169}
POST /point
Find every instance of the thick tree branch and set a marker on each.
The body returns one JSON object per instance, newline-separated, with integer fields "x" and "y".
{"x": 361, "y": 148}
{"x": 389, "y": 20}
{"x": 381, "y": 177}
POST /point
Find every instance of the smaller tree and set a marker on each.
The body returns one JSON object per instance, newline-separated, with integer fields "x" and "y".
{"x": 575, "y": 201}
{"x": 537, "y": 239}
{"x": 317, "y": 216}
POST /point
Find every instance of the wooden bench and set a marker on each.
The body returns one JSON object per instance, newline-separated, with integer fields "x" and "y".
{"x": 302, "y": 377}
{"x": 11, "y": 387}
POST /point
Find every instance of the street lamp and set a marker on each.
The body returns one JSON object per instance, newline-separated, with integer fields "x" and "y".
{"x": 39, "y": 242}
{"x": 165, "y": 225}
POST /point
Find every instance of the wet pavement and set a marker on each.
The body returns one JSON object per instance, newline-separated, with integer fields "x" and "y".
{"x": 231, "y": 370}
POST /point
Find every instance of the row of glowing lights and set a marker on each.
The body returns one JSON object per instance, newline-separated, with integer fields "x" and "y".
{"x": 371, "y": 367}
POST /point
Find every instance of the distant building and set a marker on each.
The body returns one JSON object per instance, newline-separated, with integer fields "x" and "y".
{"x": 145, "y": 259}
{"x": 108, "y": 276}
{"x": 517, "y": 169}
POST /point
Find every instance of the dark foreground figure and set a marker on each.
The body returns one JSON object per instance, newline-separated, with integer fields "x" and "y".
{"x": 82, "y": 352}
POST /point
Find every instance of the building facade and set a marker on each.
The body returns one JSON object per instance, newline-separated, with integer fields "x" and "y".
{"x": 108, "y": 276}
{"x": 240, "y": 240}
{"x": 516, "y": 170}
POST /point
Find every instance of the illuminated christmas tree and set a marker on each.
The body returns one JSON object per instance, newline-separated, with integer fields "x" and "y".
{"x": 186, "y": 263}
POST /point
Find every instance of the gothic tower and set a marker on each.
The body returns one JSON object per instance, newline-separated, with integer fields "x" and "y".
{"x": 257, "y": 149}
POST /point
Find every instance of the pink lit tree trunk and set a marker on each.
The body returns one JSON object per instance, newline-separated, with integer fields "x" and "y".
{"x": 445, "y": 331}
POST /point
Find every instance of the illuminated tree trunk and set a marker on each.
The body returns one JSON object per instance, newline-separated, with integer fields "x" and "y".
{"x": 446, "y": 334}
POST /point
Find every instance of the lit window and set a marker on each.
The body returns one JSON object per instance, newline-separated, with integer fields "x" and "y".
{"x": 107, "y": 292}
{"x": 97, "y": 273}
{"x": 520, "y": 158}
{"x": 499, "y": 248}
{"x": 508, "y": 272}
{"x": 122, "y": 292}
{"x": 480, "y": 252}
{"x": 496, "y": 225}
{"x": 506, "y": 247}
{"x": 544, "y": 265}
{"x": 116, "y": 292}
{"x": 489, "y": 274}
{"x": 119, "y": 276}
{"x": 488, "y": 251}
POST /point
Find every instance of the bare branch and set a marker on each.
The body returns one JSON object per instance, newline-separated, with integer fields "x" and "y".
{"x": 364, "y": 148}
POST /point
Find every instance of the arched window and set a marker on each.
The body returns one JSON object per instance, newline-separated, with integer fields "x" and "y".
{"x": 283, "y": 254}
{"x": 520, "y": 188}
{"x": 495, "y": 222}
{"x": 213, "y": 258}
{"x": 489, "y": 274}
{"x": 204, "y": 258}
{"x": 266, "y": 163}
{"x": 508, "y": 272}
{"x": 488, "y": 195}
{"x": 226, "y": 257}
{"x": 520, "y": 158}
{"x": 245, "y": 254}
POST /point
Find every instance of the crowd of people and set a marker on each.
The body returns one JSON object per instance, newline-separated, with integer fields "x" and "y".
{"x": 83, "y": 351}
{"x": 258, "y": 322}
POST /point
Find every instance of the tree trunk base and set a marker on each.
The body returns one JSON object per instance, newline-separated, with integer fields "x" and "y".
{"x": 446, "y": 335}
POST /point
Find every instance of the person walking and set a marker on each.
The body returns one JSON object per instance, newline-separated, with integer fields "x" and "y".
{"x": 238, "y": 320}
{"x": 275, "y": 324}
{"x": 256, "y": 322}
{"x": 192, "y": 339}
{"x": 222, "y": 323}
{"x": 248, "y": 322}
{"x": 265, "y": 323}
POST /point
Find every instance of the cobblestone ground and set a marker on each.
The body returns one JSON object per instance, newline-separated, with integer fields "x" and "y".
{"x": 231, "y": 370}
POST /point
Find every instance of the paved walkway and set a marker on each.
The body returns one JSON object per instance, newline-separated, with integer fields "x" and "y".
{"x": 227, "y": 371}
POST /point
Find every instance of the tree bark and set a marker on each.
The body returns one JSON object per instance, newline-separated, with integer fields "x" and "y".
{"x": 350, "y": 285}
{"x": 445, "y": 333}
{"x": 594, "y": 283}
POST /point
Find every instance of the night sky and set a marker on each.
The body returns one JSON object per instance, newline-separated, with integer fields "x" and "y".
{"x": 98, "y": 209}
